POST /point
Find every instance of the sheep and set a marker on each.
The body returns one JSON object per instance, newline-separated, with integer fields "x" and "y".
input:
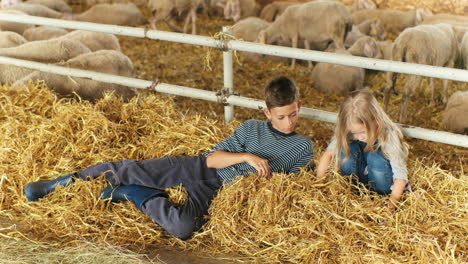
{"x": 237, "y": 9}
{"x": 393, "y": 21}
{"x": 46, "y": 51}
{"x": 366, "y": 47}
{"x": 116, "y": 14}
{"x": 271, "y": 11}
{"x": 370, "y": 27}
{"x": 363, "y": 4}
{"x": 9, "y": 39}
{"x": 317, "y": 23}
{"x": 456, "y": 113}
{"x": 341, "y": 79}
{"x": 247, "y": 29}
{"x": 94, "y": 40}
{"x": 36, "y": 10}
{"x": 43, "y": 33}
{"x": 105, "y": 61}
{"x": 10, "y": 73}
{"x": 166, "y": 10}
{"x": 424, "y": 44}
{"x": 57, "y": 5}
{"x": 459, "y": 23}
{"x": 216, "y": 7}
{"x": 12, "y": 26}
{"x": 464, "y": 50}
{"x": 8, "y": 3}
{"x": 446, "y": 18}
{"x": 386, "y": 49}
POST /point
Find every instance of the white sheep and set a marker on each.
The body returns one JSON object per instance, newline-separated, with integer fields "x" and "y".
{"x": 13, "y": 26}
{"x": 454, "y": 20}
{"x": 94, "y": 40}
{"x": 386, "y": 48}
{"x": 273, "y": 10}
{"x": 237, "y": 9}
{"x": 43, "y": 33}
{"x": 216, "y": 7}
{"x": 363, "y": 4}
{"x": 116, "y": 14}
{"x": 46, "y": 51}
{"x": 464, "y": 50}
{"x": 9, "y": 39}
{"x": 57, "y": 5}
{"x": 366, "y": 47}
{"x": 317, "y": 24}
{"x": 36, "y": 10}
{"x": 456, "y": 113}
{"x": 370, "y": 27}
{"x": 340, "y": 79}
{"x": 393, "y": 21}
{"x": 459, "y": 23}
{"x": 424, "y": 44}
{"x": 247, "y": 29}
{"x": 166, "y": 10}
{"x": 8, "y": 3}
{"x": 105, "y": 61}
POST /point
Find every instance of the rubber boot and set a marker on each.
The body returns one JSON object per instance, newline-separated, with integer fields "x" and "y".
{"x": 36, "y": 190}
{"x": 136, "y": 194}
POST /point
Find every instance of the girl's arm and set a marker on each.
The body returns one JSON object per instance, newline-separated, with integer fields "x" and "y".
{"x": 398, "y": 188}
{"x": 324, "y": 164}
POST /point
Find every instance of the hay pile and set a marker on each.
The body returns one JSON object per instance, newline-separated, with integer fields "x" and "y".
{"x": 289, "y": 219}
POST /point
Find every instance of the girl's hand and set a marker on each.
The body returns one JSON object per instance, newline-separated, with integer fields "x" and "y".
{"x": 261, "y": 165}
{"x": 392, "y": 205}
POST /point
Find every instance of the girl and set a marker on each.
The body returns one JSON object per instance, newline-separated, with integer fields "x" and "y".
{"x": 369, "y": 145}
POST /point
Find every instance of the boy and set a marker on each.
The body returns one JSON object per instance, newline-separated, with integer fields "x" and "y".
{"x": 260, "y": 147}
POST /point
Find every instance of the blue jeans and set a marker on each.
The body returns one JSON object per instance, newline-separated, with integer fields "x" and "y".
{"x": 380, "y": 175}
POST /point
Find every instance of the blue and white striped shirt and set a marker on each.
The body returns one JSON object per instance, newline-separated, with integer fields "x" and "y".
{"x": 285, "y": 152}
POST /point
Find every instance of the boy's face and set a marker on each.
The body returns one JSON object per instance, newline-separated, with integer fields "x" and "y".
{"x": 284, "y": 118}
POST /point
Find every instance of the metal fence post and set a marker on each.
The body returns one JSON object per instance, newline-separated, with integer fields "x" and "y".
{"x": 228, "y": 78}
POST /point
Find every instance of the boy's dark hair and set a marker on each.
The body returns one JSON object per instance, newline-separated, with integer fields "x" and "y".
{"x": 281, "y": 91}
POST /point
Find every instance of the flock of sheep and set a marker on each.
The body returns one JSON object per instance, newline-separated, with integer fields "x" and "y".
{"x": 359, "y": 30}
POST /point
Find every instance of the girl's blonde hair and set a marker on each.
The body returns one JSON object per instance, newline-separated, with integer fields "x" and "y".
{"x": 361, "y": 107}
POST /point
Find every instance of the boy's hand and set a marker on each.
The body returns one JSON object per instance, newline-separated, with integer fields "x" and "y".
{"x": 261, "y": 165}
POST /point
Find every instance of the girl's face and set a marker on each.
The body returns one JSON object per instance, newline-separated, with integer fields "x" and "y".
{"x": 359, "y": 131}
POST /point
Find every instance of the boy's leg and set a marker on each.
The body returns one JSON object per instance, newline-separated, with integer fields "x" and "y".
{"x": 160, "y": 173}
{"x": 182, "y": 221}
{"x": 201, "y": 183}
{"x": 380, "y": 172}
{"x": 36, "y": 190}
{"x": 356, "y": 163}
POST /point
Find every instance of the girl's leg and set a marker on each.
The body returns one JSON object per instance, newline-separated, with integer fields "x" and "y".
{"x": 356, "y": 163}
{"x": 380, "y": 172}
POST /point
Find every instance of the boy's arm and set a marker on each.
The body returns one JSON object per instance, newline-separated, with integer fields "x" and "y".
{"x": 222, "y": 159}
{"x": 323, "y": 165}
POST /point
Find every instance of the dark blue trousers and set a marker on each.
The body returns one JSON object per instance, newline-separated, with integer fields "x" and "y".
{"x": 202, "y": 185}
{"x": 379, "y": 176}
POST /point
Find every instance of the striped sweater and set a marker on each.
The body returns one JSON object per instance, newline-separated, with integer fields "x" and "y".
{"x": 285, "y": 152}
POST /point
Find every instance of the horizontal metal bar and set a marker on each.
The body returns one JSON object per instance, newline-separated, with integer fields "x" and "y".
{"x": 109, "y": 78}
{"x": 355, "y": 61}
{"x": 113, "y": 29}
{"x": 343, "y": 59}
